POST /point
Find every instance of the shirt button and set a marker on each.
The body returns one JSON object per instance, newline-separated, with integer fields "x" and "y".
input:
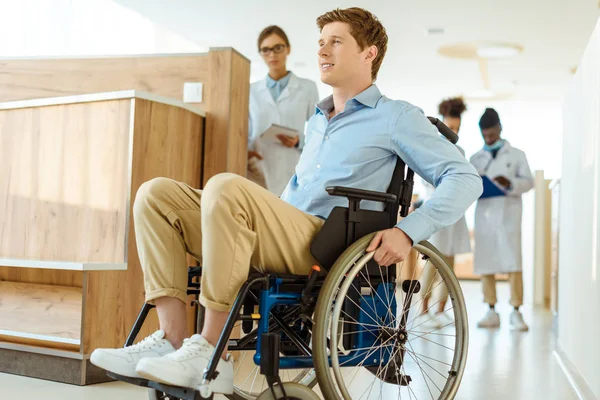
{"x": 318, "y": 165}
{"x": 326, "y": 137}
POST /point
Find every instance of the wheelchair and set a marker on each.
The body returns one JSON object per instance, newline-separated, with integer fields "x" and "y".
{"x": 351, "y": 326}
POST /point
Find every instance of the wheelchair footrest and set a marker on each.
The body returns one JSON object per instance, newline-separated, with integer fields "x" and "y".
{"x": 177, "y": 392}
{"x": 133, "y": 381}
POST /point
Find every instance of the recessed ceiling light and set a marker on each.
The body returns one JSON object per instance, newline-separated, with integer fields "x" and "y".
{"x": 498, "y": 50}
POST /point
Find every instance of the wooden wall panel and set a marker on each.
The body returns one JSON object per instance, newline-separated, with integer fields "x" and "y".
{"x": 224, "y": 72}
{"x": 167, "y": 143}
{"x": 42, "y": 276}
{"x": 63, "y": 173}
{"x": 237, "y": 151}
{"x": 41, "y": 310}
{"x": 162, "y": 75}
{"x": 227, "y": 127}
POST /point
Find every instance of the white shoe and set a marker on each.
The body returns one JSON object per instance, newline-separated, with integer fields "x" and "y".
{"x": 425, "y": 321}
{"x": 186, "y": 366}
{"x": 444, "y": 319}
{"x": 517, "y": 323}
{"x": 124, "y": 361}
{"x": 490, "y": 320}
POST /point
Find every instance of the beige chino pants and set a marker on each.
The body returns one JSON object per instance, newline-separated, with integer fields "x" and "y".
{"x": 230, "y": 226}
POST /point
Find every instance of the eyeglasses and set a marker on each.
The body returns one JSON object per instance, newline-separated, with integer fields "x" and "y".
{"x": 277, "y": 49}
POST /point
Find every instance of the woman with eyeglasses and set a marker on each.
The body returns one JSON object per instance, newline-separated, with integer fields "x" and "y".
{"x": 283, "y": 99}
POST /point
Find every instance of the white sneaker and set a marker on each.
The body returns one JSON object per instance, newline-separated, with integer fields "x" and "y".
{"x": 517, "y": 323}
{"x": 490, "y": 320}
{"x": 424, "y": 322}
{"x": 185, "y": 367}
{"x": 124, "y": 361}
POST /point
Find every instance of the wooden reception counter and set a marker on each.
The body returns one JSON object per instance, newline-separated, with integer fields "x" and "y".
{"x": 70, "y": 279}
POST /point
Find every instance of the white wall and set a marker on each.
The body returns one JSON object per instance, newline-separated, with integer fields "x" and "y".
{"x": 45, "y": 28}
{"x": 579, "y": 271}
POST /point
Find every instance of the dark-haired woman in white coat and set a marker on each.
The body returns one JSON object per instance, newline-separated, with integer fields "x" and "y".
{"x": 283, "y": 99}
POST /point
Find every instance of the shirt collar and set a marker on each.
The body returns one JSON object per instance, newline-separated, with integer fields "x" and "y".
{"x": 368, "y": 97}
{"x": 271, "y": 83}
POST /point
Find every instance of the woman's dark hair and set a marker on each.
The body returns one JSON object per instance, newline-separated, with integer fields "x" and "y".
{"x": 453, "y": 107}
{"x": 270, "y": 30}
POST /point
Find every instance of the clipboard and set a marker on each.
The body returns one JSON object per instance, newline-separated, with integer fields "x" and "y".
{"x": 274, "y": 130}
{"x": 490, "y": 189}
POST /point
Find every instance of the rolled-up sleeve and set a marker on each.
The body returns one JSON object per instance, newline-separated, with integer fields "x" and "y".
{"x": 439, "y": 162}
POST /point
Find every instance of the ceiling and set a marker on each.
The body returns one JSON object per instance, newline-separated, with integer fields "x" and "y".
{"x": 554, "y": 34}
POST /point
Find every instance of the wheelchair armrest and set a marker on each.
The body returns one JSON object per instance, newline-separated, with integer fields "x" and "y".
{"x": 361, "y": 194}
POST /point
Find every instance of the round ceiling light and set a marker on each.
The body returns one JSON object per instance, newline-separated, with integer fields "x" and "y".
{"x": 498, "y": 50}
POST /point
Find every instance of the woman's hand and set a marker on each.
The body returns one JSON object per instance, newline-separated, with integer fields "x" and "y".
{"x": 288, "y": 141}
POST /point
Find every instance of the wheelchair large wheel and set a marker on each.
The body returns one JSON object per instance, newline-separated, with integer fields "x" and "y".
{"x": 384, "y": 347}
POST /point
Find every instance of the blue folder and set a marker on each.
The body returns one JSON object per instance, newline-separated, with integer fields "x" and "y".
{"x": 490, "y": 189}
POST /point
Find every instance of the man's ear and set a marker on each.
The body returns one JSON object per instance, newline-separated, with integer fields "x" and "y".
{"x": 371, "y": 53}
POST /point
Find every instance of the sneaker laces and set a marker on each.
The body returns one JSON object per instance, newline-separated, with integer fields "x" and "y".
{"x": 191, "y": 347}
{"x": 148, "y": 343}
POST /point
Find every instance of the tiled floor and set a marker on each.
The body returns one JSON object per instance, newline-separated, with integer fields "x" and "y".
{"x": 502, "y": 365}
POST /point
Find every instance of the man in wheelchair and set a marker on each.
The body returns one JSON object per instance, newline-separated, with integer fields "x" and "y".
{"x": 354, "y": 140}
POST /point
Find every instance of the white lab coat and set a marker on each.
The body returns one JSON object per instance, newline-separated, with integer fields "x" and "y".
{"x": 293, "y": 108}
{"x": 453, "y": 239}
{"x": 498, "y": 219}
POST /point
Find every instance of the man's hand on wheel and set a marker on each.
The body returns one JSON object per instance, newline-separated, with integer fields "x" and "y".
{"x": 392, "y": 245}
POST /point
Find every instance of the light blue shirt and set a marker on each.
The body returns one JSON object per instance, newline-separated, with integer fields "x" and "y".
{"x": 276, "y": 87}
{"x": 359, "y": 147}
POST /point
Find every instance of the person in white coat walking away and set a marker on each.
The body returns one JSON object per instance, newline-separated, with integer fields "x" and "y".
{"x": 450, "y": 241}
{"x": 498, "y": 218}
{"x": 283, "y": 99}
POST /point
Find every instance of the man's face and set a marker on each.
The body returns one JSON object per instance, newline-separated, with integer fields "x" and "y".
{"x": 341, "y": 62}
{"x": 491, "y": 135}
{"x": 452, "y": 123}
